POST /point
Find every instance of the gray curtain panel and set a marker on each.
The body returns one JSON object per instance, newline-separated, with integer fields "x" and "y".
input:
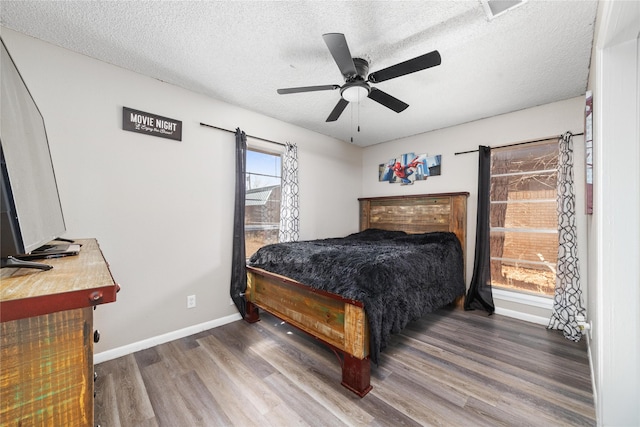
{"x": 238, "y": 256}
{"x": 479, "y": 294}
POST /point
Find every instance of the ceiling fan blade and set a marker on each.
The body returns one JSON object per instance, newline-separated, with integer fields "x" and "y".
{"x": 339, "y": 49}
{"x": 337, "y": 110}
{"x": 387, "y": 100}
{"x": 307, "y": 89}
{"x": 419, "y": 63}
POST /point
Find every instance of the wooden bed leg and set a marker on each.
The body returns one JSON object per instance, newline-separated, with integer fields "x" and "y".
{"x": 252, "y": 315}
{"x": 356, "y": 374}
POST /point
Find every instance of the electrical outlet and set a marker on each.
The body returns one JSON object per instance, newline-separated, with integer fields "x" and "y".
{"x": 191, "y": 301}
{"x": 584, "y": 326}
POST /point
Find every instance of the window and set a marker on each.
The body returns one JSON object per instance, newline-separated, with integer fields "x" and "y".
{"x": 523, "y": 218}
{"x": 262, "y": 203}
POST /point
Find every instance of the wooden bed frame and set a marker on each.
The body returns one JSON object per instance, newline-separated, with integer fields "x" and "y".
{"x": 339, "y": 322}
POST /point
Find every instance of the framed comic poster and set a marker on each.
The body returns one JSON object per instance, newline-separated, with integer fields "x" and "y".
{"x": 409, "y": 168}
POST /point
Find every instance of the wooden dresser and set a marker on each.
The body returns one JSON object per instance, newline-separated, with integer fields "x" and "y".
{"x": 46, "y": 337}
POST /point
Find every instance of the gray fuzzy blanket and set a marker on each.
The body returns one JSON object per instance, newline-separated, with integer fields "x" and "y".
{"x": 399, "y": 277}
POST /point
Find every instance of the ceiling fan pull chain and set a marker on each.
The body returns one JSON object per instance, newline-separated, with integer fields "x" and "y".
{"x": 351, "y": 127}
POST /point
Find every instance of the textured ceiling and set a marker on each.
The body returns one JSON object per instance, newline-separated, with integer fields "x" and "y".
{"x": 240, "y": 52}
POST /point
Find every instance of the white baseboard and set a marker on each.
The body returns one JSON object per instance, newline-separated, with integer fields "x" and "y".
{"x": 161, "y": 339}
{"x": 593, "y": 378}
{"x": 522, "y": 316}
{"x": 523, "y": 298}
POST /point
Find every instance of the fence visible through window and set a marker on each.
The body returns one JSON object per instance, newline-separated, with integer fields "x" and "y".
{"x": 523, "y": 217}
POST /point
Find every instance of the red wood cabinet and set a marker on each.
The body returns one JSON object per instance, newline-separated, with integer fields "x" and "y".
{"x": 46, "y": 337}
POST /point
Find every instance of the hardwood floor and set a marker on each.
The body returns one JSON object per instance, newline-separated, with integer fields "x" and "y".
{"x": 451, "y": 368}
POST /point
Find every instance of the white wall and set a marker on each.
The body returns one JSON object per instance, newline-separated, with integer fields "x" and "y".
{"x": 614, "y": 229}
{"x": 460, "y": 173}
{"x": 162, "y": 210}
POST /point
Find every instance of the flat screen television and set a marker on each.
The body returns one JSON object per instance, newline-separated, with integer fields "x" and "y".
{"x": 31, "y": 214}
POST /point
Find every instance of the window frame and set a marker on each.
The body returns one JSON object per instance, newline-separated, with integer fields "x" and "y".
{"x": 497, "y": 262}
{"x": 268, "y": 149}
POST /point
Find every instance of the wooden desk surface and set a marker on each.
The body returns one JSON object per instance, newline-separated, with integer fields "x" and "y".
{"x": 75, "y": 281}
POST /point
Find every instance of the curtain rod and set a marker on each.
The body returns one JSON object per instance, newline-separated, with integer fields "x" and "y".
{"x": 250, "y": 136}
{"x": 519, "y": 143}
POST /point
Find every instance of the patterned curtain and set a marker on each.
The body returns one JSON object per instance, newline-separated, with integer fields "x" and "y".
{"x": 289, "y": 208}
{"x": 567, "y": 303}
{"x": 238, "y": 256}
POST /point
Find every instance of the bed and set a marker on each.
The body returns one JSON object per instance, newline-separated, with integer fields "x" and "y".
{"x": 424, "y": 234}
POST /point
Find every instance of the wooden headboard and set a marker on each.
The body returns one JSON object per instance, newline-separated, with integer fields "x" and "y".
{"x": 422, "y": 213}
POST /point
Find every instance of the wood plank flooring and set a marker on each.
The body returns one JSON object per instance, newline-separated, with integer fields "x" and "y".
{"x": 451, "y": 368}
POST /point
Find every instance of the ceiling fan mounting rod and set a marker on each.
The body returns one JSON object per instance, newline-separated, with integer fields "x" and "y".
{"x": 362, "y": 68}
{"x": 356, "y": 88}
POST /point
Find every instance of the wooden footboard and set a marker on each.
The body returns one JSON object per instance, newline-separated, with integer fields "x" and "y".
{"x": 341, "y": 323}
{"x": 338, "y": 322}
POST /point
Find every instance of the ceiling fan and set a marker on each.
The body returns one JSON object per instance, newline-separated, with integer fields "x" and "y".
{"x": 354, "y": 71}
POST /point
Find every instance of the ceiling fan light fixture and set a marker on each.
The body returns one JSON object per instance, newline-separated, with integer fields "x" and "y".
{"x": 355, "y": 92}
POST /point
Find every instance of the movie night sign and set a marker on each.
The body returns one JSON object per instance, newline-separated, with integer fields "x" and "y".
{"x": 151, "y": 124}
